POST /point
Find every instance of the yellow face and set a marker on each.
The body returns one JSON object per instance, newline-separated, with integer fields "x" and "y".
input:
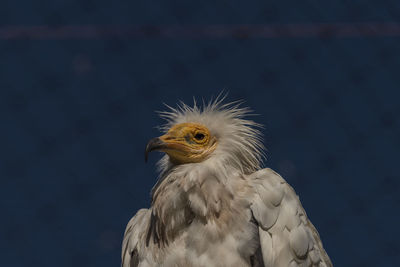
{"x": 185, "y": 143}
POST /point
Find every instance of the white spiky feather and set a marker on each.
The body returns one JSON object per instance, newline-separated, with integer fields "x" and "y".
{"x": 239, "y": 140}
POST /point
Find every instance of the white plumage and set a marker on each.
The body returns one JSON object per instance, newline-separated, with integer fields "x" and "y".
{"x": 224, "y": 210}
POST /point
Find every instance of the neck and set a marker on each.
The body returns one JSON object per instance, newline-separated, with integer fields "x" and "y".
{"x": 200, "y": 191}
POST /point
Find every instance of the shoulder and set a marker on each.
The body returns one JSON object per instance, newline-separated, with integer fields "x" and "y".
{"x": 136, "y": 220}
{"x": 266, "y": 175}
{"x": 269, "y": 186}
{"x": 134, "y": 232}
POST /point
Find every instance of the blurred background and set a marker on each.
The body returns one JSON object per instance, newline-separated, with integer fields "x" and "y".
{"x": 80, "y": 81}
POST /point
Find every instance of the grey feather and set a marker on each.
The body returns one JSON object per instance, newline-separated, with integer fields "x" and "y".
{"x": 134, "y": 230}
{"x": 291, "y": 238}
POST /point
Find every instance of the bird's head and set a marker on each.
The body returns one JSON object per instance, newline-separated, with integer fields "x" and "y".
{"x": 185, "y": 143}
{"x": 213, "y": 132}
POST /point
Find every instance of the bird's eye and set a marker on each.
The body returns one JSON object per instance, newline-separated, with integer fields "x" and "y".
{"x": 199, "y": 136}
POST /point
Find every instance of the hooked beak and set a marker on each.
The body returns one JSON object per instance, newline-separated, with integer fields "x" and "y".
{"x": 153, "y": 144}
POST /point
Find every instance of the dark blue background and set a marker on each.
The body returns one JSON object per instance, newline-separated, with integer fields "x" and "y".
{"x": 76, "y": 114}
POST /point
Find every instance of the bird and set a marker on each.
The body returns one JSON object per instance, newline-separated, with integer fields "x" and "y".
{"x": 214, "y": 204}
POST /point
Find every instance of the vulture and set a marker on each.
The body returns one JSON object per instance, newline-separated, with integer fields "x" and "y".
{"x": 213, "y": 203}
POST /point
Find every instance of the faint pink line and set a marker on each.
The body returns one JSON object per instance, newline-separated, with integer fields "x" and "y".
{"x": 336, "y": 30}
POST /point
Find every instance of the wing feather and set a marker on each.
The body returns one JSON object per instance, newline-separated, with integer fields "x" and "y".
{"x": 135, "y": 228}
{"x": 287, "y": 237}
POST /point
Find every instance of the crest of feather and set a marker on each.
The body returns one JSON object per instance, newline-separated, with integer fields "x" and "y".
{"x": 239, "y": 139}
